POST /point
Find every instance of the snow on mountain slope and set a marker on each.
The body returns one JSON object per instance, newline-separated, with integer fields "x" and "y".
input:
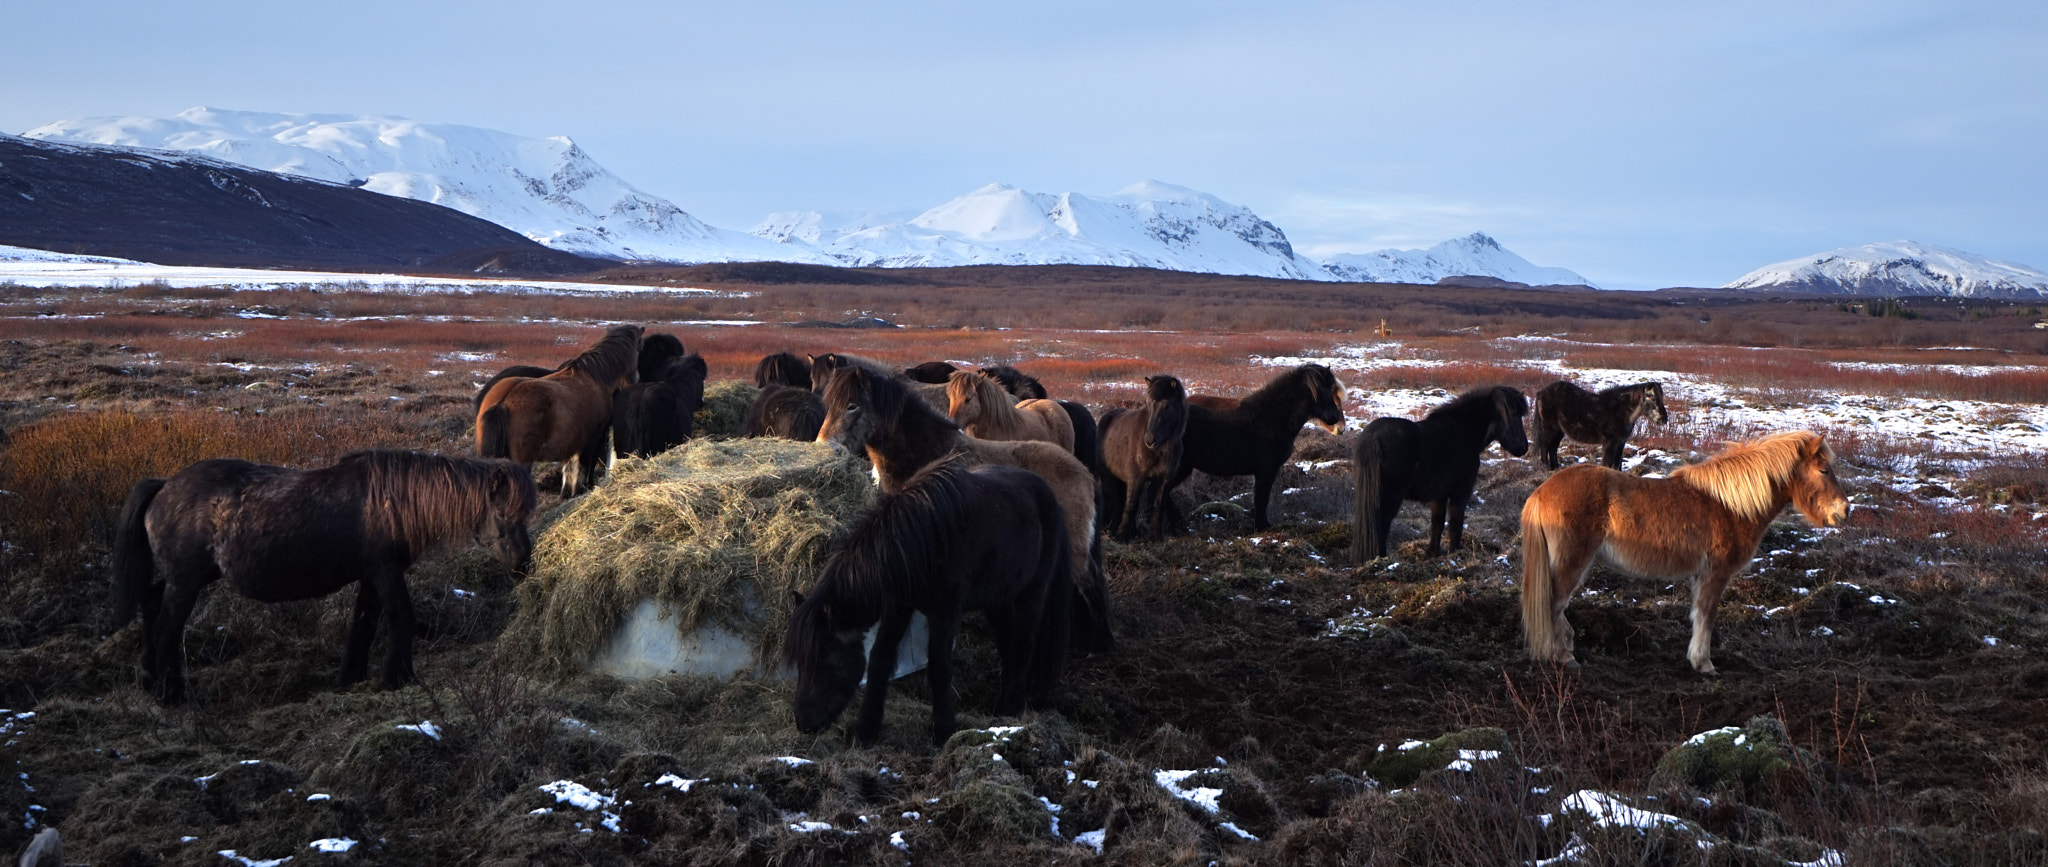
{"x": 547, "y": 189}
{"x": 1474, "y": 255}
{"x": 1149, "y": 224}
{"x": 1898, "y": 268}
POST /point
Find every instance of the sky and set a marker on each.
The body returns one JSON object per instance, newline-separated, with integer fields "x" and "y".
{"x": 1640, "y": 144}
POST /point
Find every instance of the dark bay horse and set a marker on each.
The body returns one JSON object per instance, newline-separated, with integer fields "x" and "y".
{"x": 1435, "y": 461}
{"x": 1702, "y": 523}
{"x": 782, "y": 368}
{"x": 953, "y": 540}
{"x": 1141, "y": 448}
{"x": 655, "y": 414}
{"x": 785, "y": 411}
{"x": 1605, "y": 419}
{"x": 1022, "y": 385}
{"x": 902, "y": 435}
{"x": 1254, "y": 435}
{"x": 565, "y": 415}
{"x": 278, "y": 534}
{"x": 930, "y": 372}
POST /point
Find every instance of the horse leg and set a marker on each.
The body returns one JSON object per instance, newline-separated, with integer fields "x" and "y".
{"x": 1457, "y": 522}
{"x": 1568, "y": 576}
{"x": 398, "y": 611}
{"x": 1262, "y": 495}
{"x": 152, "y": 604}
{"x": 1547, "y": 441}
{"x": 591, "y": 459}
{"x": 1176, "y": 521}
{"x": 179, "y": 599}
{"x": 1159, "y": 502}
{"x": 1436, "y": 527}
{"x": 1012, "y": 626}
{"x": 362, "y": 629}
{"x": 1707, "y": 588}
{"x": 882, "y": 668}
{"x": 1119, "y": 500}
{"x": 1610, "y": 454}
{"x": 938, "y": 673}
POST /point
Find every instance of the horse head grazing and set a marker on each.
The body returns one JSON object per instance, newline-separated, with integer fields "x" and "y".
{"x": 504, "y": 533}
{"x": 1326, "y": 397}
{"x": 1509, "y": 407}
{"x": 825, "y": 647}
{"x": 1168, "y": 401}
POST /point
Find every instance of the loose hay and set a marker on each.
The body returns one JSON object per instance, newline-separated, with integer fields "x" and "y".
{"x": 716, "y": 532}
{"x": 725, "y": 408}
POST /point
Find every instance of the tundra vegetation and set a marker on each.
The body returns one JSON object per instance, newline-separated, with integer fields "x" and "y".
{"x": 1883, "y": 698}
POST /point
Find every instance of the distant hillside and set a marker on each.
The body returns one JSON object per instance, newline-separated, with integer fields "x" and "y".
{"x": 1474, "y": 255}
{"x": 1897, "y": 268}
{"x": 178, "y": 209}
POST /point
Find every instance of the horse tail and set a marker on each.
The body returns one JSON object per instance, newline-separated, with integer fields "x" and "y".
{"x": 1539, "y": 624}
{"x": 494, "y": 432}
{"x": 134, "y": 565}
{"x": 1366, "y": 543}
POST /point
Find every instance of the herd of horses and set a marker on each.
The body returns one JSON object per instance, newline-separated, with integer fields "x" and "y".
{"x": 995, "y": 498}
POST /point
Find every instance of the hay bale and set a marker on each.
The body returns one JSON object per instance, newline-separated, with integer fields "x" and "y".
{"x": 715, "y": 533}
{"x": 725, "y": 408}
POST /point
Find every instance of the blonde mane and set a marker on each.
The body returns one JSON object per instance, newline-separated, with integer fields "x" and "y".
{"x": 1747, "y": 476}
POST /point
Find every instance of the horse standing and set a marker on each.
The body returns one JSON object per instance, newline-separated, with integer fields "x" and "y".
{"x": 563, "y": 415}
{"x": 785, "y": 411}
{"x": 1605, "y": 419}
{"x": 782, "y": 368}
{"x": 654, "y": 415}
{"x": 1704, "y": 522}
{"x": 902, "y": 435}
{"x": 980, "y": 407}
{"x": 1435, "y": 461}
{"x": 1254, "y": 435}
{"x": 1024, "y": 386}
{"x": 989, "y": 539}
{"x": 1141, "y": 447}
{"x": 278, "y": 534}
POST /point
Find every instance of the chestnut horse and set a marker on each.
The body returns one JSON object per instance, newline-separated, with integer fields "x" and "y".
{"x": 1704, "y": 523}
{"x": 980, "y": 406}
{"x": 1254, "y": 435}
{"x": 1605, "y": 419}
{"x": 564, "y": 415}
{"x": 902, "y": 435}
{"x": 1141, "y": 448}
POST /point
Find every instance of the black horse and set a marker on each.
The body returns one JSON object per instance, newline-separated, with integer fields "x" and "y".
{"x": 989, "y": 539}
{"x": 931, "y": 372}
{"x": 1605, "y": 419}
{"x": 1435, "y": 461}
{"x": 1254, "y": 435}
{"x": 1141, "y": 448}
{"x": 278, "y": 534}
{"x": 1019, "y": 384}
{"x": 655, "y": 414}
{"x": 1024, "y": 386}
{"x": 656, "y": 351}
{"x": 782, "y": 368}
{"x": 785, "y": 411}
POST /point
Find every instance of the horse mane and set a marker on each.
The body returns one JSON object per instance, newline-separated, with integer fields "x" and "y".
{"x": 887, "y": 395}
{"x": 1746, "y": 476}
{"x": 1478, "y": 401}
{"x": 419, "y": 498}
{"x": 782, "y": 368}
{"x": 1613, "y": 390}
{"x": 1019, "y": 384}
{"x": 1314, "y": 377}
{"x": 886, "y": 555}
{"x": 609, "y": 358}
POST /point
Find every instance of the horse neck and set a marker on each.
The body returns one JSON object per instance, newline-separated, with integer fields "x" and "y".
{"x": 917, "y": 440}
{"x": 1288, "y": 398}
{"x": 1471, "y": 425}
{"x": 998, "y": 413}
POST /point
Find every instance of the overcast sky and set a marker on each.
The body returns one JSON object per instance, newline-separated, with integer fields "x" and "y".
{"x": 1641, "y": 144}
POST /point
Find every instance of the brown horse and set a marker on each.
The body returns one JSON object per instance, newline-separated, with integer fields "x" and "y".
{"x": 902, "y": 435}
{"x": 980, "y": 406}
{"x": 1254, "y": 435}
{"x": 930, "y": 372}
{"x": 1141, "y": 448}
{"x": 564, "y": 415}
{"x": 1704, "y": 523}
{"x": 1605, "y": 419}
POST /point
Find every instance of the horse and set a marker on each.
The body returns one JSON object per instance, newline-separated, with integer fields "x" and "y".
{"x": 785, "y": 411}
{"x": 955, "y": 539}
{"x": 1435, "y": 461}
{"x": 527, "y": 371}
{"x": 978, "y": 404}
{"x": 563, "y": 415}
{"x": 903, "y": 435}
{"x": 654, "y": 415}
{"x": 1141, "y": 448}
{"x": 1024, "y": 386}
{"x": 1254, "y": 435}
{"x": 1605, "y": 419}
{"x": 930, "y": 372}
{"x": 278, "y": 534}
{"x": 782, "y": 368}
{"x": 1018, "y": 383}
{"x": 823, "y": 366}
{"x": 656, "y": 351}
{"x": 1704, "y": 522}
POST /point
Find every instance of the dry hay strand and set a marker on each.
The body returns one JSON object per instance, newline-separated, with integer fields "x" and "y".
{"x": 715, "y": 531}
{"x": 725, "y": 408}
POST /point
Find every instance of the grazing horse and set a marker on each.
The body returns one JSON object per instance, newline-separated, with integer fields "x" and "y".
{"x": 955, "y": 539}
{"x": 902, "y": 435}
{"x": 654, "y": 415}
{"x": 980, "y": 406}
{"x": 1435, "y": 461}
{"x": 563, "y": 415}
{"x": 1254, "y": 435}
{"x": 1141, "y": 448}
{"x": 1704, "y": 522}
{"x": 782, "y": 368}
{"x": 785, "y": 411}
{"x": 279, "y": 534}
{"x": 930, "y": 372}
{"x": 1605, "y": 419}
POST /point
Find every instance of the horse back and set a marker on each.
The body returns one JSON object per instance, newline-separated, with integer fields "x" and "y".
{"x": 1650, "y": 527}
{"x": 276, "y": 534}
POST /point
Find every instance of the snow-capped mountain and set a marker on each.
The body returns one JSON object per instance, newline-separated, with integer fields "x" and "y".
{"x": 1474, "y": 255}
{"x": 547, "y": 189}
{"x": 1898, "y": 268}
{"x": 1148, "y": 224}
